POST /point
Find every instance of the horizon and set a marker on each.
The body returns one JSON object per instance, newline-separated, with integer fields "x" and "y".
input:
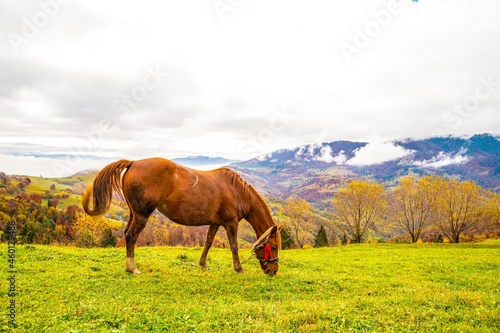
{"x": 375, "y": 152}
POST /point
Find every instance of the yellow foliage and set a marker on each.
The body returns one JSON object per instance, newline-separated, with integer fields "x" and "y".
{"x": 160, "y": 235}
{"x": 419, "y": 241}
{"x": 90, "y": 231}
{"x": 307, "y": 246}
{"x": 360, "y": 206}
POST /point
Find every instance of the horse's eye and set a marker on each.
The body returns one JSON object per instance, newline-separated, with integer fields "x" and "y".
{"x": 274, "y": 248}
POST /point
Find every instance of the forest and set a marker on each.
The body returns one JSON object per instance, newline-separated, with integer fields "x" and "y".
{"x": 416, "y": 210}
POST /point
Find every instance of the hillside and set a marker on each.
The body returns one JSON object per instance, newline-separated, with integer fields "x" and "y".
{"x": 67, "y": 191}
{"x": 314, "y": 172}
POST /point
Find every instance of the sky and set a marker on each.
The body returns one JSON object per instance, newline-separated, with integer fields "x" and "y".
{"x": 83, "y": 83}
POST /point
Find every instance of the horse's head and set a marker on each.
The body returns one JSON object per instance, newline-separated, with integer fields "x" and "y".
{"x": 266, "y": 250}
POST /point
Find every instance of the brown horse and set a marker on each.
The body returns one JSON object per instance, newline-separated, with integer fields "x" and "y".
{"x": 189, "y": 197}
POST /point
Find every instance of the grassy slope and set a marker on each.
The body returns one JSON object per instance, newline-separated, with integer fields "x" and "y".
{"x": 41, "y": 185}
{"x": 357, "y": 288}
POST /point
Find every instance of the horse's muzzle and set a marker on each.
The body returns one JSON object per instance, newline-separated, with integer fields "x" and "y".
{"x": 271, "y": 272}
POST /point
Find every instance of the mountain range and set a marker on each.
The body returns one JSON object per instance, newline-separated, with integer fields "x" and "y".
{"x": 315, "y": 171}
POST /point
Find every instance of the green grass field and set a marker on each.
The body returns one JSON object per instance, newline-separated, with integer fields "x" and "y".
{"x": 356, "y": 288}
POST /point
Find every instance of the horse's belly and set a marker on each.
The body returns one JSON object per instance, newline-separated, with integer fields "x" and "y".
{"x": 189, "y": 216}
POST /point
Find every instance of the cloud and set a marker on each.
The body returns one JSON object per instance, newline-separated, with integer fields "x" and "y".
{"x": 376, "y": 153}
{"x": 47, "y": 166}
{"x": 225, "y": 77}
{"x": 326, "y": 155}
{"x": 444, "y": 159}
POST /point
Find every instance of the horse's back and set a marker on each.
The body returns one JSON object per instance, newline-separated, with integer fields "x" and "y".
{"x": 184, "y": 195}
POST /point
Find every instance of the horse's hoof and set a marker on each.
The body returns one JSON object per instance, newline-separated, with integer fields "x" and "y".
{"x": 135, "y": 271}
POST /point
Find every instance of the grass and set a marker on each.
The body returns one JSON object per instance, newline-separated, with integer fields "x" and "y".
{"x": 356, "y": 288}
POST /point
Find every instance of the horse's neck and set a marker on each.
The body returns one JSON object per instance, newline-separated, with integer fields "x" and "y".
{"x": 260, "y": 217}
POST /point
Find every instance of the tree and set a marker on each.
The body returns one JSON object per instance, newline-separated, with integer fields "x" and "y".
{"x": 492, "y": 212}
{"x": 52, "y": 202}
{"x": 413, "y": 202}
{"x": 108, "y": 239}
{"x": 321, "y": 239}
{"x": 286, "y": 240}
{"x": 459, "y": 208}
{"x": 90, "y": 231}
{"x": 359, "y": 206}
{"x": 3, "y": 179}
{"x": 298, "y": 223}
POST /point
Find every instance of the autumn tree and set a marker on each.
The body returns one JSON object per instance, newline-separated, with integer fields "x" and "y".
{"x": 459, "y": 208}
{"x": 412, "y": 203}
{"x": 92, "y": 231}
{"x": 3, "y": 178}
{"x": 359, "y": 206}
{"x": 299, "y": 222}
{"x": 492, "y": 212}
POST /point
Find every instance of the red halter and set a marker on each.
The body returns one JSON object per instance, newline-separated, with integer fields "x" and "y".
{"x": 262, "y": 243}
{"x": 268, "y": 254}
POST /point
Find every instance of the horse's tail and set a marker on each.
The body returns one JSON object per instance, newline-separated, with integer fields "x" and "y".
{"x": 107, "y": 181}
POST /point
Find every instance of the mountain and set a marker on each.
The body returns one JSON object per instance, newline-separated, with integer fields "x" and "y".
{"x": 314, "y": 172}
{"x": 203, "y": 161}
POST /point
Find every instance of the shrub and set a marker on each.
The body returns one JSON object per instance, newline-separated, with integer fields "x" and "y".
{"x": 91, "y": 231}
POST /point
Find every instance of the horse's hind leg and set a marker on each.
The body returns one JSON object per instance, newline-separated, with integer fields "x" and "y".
{"x": 136, "y": 225}
{"x": 212, "y": 230}
{"x": 131, "y": 217}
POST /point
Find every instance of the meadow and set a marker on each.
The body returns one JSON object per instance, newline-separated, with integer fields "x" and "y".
{"x": 354, "y": 288}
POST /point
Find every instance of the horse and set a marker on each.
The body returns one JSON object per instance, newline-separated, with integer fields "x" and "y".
{"x": 188, "y": 197}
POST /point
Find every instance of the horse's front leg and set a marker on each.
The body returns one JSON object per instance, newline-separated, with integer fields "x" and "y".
{"x": 232, "y": 235}
{"x": 212, "y": 230}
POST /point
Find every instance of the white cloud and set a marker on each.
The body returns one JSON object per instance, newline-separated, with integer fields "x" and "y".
{"x": 340, "y": 158}
{"x": 67, "y": 76}
{"x": 326, "y": 155}
{"x": 376, "y": 153}
{"x": 46, "y": 166}
{"x": 443, "y": 159}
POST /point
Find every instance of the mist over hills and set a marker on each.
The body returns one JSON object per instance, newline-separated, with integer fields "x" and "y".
{"x": 315, "y": 171}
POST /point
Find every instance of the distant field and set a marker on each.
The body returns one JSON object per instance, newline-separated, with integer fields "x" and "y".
{"x": 76, "y": 183}
{"x": 356, "y": 288}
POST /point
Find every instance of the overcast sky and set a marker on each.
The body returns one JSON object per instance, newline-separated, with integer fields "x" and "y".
{"x": 237, "y": 79}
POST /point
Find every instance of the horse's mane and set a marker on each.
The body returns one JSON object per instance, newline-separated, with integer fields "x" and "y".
{"x": 247, "y": 189}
